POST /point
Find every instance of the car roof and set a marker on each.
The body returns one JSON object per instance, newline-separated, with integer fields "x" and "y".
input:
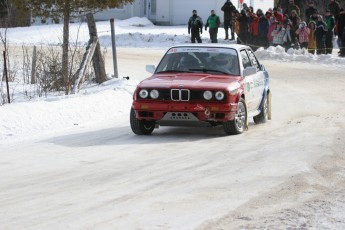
{"x": 213, "y": 45}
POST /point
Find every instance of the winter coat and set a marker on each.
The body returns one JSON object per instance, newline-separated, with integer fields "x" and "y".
{"x": 243, "y": 22}
{"x": 312, "y": 40}
{"x": 303, "y": 34}
{"x": 254, "y": 26}
{"x": 195, "y": 23}
{"x": 228, "y": 8}
{"x": 278, "y": 36}
{"x": 341, "y": 25}
{"x": 270, "y": 30}
{"x": 330, "y": 22}
{"x": 321, "y": 30}
{"x": 213, "y": 21}
{"x": 263, "y": 26}
{"x": 289, "y": 36}
{"x": 279, "y": 16}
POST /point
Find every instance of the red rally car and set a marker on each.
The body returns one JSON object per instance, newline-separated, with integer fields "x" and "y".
{"x": 203, "y": 84}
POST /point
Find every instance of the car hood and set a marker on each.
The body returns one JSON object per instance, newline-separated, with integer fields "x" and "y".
{"x": 189, "y": 81}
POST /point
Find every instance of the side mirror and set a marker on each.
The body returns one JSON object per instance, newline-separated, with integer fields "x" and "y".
{"x": 249, "y": 71}
{"x": 150, "y": 68}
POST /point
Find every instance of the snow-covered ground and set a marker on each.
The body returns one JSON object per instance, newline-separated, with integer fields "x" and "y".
{"x": 73, "y": 162}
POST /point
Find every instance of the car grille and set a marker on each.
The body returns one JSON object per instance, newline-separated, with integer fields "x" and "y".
{"x": 180, "y": 95}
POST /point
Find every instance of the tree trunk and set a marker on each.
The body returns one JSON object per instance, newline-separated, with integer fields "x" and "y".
{"x": 65, "y": 45}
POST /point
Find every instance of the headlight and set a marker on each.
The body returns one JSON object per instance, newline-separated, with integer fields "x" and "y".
{"x": 143, "y": 93}
{"x": 219, "y": 95}
{"x": 154, "y": 94}
{"x": 207, "y": 95}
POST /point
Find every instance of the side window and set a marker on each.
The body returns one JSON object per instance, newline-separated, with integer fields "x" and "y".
{"x": 245, "y": 59}
{"x": 253, "y": 59}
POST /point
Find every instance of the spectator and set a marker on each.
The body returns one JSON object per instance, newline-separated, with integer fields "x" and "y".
{"x": 228, "y": 8}
{"x": 278, "y": 34}
{"x": 341, "y": 32}
{"x": 243, "y": 26}
{"x": 330, "y": 22}
{"x": 279, "y": 16}
{"x": 213, "y": 22}
{"x": 237, "y": 24}
{"x": 263, "y": 26}
{"x": 312, "y": 39}
{"x": 289, "y": 37}
{"x": 320, "y": 35}
{"x": 334, "y": 7}
{"x": 303, "y": 35}
{"x": 294, "y": 19}
{"x": 195, "y": 25}
{"x": 268, "y": 15}
{"x": 254, "y": 31}
{"x": 309, "y": 11}
{"x": 286, "y": 19}
{"x": 272, "y": 26}
{"x": 313, "y": 17}
{"x": 292, "y": 6}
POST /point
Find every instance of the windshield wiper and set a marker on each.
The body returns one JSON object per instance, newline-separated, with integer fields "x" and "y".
{"x": 174, "y": 71}
{"x": 209, "y": 70}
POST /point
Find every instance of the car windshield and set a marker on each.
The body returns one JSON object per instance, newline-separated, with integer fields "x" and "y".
{"x": 200, "y": 59}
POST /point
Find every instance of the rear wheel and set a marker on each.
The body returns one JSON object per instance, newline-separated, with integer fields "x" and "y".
{"x": 263, "y": 115}
{"x": 141, "y": 127}
{"x": 238, "y": 125}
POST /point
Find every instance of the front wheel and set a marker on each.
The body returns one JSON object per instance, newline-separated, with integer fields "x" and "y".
{"x": 238, "y": 125}
{"x": 262, "y": 117}
{"x": 140, "y": 127}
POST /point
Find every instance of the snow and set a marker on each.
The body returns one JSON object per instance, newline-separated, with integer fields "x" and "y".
{"x": 183, "y": 185}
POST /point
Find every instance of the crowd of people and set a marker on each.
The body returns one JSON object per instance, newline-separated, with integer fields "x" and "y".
{"x": 283, "y": 25}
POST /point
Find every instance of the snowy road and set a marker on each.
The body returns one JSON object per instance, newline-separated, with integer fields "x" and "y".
{"x": 286, "y": 173}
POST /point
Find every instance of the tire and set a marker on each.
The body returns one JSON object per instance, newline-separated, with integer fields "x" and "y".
{"x": 140, "y": 127}
{"x": 239, "y": 124}
{"x": 263, "y": 115}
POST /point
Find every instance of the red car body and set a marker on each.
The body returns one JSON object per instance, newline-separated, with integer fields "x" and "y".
{"x": 203, "y": 93}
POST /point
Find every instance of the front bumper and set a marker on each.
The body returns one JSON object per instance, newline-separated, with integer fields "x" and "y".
{"x": 216, "y": 112}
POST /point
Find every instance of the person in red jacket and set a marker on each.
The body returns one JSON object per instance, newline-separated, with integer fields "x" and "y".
{"x": 279, "y": 16}
{"x": 254, "y": 30}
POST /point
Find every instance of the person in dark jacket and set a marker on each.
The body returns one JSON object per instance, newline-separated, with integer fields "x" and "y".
{"x": 313, "y": 17}
{"x": 330, "y": 22}
{"x": 263, "y": 30}
{"x": 341, "y": 32}
{"x": 195, "y": 27}
{"x": 213, "y": 22}
{"x": 334, "y": 7}
{"x": 309, "y": 11}
{"x": 243, "y": 25}
{"x": 228, "y": 8}
{"x": 320, "y": 35}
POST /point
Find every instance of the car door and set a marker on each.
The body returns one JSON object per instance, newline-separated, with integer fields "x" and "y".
{"x": 248, "y": 81}
{"x": 258, "y": 81}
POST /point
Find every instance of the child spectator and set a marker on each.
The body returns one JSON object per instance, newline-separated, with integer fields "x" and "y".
{"x": 303, "y": 35}
{"x": 278, "y": 35}
{"x": 320, "y": 35}
{"x": 312, "y": 39}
